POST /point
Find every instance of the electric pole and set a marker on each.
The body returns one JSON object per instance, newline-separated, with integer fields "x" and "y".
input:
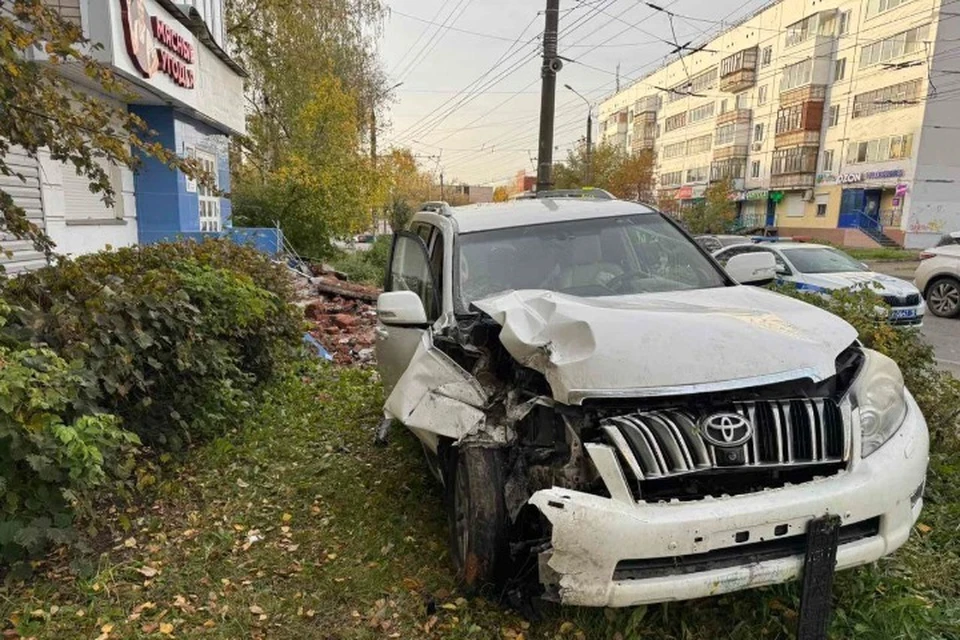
{"x": 442, "y": 195}
{"x": 590, "y": 147}
{"x": 548, "y": 95}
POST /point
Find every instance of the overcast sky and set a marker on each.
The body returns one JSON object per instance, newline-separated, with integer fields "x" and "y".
{"x": 491, "y": 136}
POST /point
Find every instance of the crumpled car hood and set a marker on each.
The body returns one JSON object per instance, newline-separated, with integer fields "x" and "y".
{"x": 669, "y": 343}
{"x": 882, "y": 284}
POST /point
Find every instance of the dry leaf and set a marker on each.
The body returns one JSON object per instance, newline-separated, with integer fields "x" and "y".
{"x": 107, "y": 628}
{"x": 147, "y": 572}
{"x": 287, "y": 517}
{"x": 166, "y": 628}
{"x": 256, "y": 610}
{"x": 924, "y": 529}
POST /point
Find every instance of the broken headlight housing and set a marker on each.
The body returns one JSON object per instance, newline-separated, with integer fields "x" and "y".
{"x": 880, "y": 397}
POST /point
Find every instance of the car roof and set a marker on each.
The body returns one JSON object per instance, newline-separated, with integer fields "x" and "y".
{"x": 789, "y": 245}
{"x": 524, "y": 213}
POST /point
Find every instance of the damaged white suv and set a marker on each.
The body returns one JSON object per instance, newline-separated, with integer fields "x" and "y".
{"x": 617, "y": 421}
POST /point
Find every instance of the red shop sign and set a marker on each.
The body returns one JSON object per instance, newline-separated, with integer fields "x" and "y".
{"x": 142, "y": 33}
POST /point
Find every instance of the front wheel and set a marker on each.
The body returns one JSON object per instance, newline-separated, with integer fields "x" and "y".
{"x": 943, "y": 297}
{"x": 477, "y": 514}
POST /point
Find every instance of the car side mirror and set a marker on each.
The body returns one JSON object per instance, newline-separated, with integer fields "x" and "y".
{"x": 401, "y": 308}
{"x": 753, "y": 268}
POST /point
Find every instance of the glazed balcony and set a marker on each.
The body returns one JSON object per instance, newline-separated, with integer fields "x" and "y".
{"x": 806, "y": 93}
{"x": 739, "y": 71}
{"x": 793, "y": 181}
{"x": 737, "y": 116}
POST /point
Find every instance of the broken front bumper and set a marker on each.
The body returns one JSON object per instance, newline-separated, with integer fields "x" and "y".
{"x": 617, "y": 553}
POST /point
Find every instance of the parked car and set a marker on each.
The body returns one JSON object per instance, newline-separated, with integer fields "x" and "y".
{"x": 713, "y": 243}
{"x": 616, "y": 421}
{"x": 938, "y": 276}
{"x": 820, "y": 268}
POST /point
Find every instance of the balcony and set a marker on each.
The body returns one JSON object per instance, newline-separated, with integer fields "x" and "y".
{"x": 793, "y": 181}
{"x": 738, "y": 116}
{"x": 642, "y": 143}
{"x": 798, "y": 138}
{"x": 739, "y": 71}
{"x": 806, "y": 93}
{"x": 730, "y": 151}
{"x": 647, "y": 104}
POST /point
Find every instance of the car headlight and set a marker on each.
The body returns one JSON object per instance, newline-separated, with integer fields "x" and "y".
{"x": 879, "y": 395}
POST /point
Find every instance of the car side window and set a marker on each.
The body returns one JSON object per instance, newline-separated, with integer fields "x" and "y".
{"x": 423, "y": 230}
{"x": 410, "y": 271}
{"x": 436, "y": 262}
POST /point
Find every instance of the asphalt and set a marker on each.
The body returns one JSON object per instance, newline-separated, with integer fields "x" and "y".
{"x": 943, "y": 334}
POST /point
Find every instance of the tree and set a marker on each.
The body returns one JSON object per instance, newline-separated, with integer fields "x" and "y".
{"x": 407, "y": 186}
{"x": 501, "y": 194}
{"x": 313, "y": 93}
{"x": 41, "y": 111}
{"x": 715, "y": 212}
{"x": 624, "y": 175}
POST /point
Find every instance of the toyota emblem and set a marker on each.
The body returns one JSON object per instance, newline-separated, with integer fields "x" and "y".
{"x": 726, "y": 430}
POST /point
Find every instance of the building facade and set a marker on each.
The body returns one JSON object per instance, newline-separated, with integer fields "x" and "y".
{"x": 172, "y": 59}
{"x": 833, "y": 118}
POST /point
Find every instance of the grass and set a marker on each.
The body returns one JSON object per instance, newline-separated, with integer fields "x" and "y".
{"x": 893, "y": 254}
{"x": 296, "y": 526}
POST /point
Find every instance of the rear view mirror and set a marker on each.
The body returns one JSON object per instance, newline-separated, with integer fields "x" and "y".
{"x": 401, "y": 308}
{"x": 753, "y": 268}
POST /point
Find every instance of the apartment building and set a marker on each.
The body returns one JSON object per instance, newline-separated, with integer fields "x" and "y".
{"x": 172, "y": 59}
{"x": 835, "y": 119}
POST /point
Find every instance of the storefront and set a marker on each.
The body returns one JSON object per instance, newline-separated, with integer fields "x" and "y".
{"x": 187, "y": 89}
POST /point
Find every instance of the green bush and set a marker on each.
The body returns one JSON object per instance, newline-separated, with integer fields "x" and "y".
{"x": 50, "y": 457}
{"x": 937, "y": 392}
{"x": 368, "y": 267}
{"x": 172, "y": 338}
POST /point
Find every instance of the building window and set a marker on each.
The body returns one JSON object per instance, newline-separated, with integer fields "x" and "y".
{"x": 844, "y": 23}
{"x": 802, "y": 30}
{"x": 790, "y": 118}
{"x": 703, "y": 81}
{"x": 674, "y": 150}
{"x": 209, "y": 198}
{"x": 758, "y": 132}
{"x": 699, "y": 145}
{"x": 897, "y": 96}
{"x": 755, "y": 169}
{"x": 881, "y": 149}
{"x": 796, "y": 75}
{"x": 723, "y": 106}
{"x": 834, "y": 115}
{"x": 767, "y": 57}
{"x": 741, "y": 101}
{"x": 794, "y": 160}
{"x": 701, "y": 113}
{"x": 698, "y": 174}
{"x": 902, "y": 44}
{"x": 839, "y": 69}
{"x": 875, "y": 7}
{"x": 725, "y": 134}
{"x": 723, "y": 169}
{"x": 671, "y": 179}
{"x": 827, "y": 164}
{"x": 821, "y": 211}
{"x": 762, "y": 95}
{"x": 675, "y": 122}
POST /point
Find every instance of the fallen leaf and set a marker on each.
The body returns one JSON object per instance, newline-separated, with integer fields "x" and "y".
{"x": 924, "y": 529}
{"x": 166, "y": 628}
{"x": 147, "y": 572}
{"x": 256, "y": 610}
{"x": 107, "y": 628}
{"x": 566, "y": 627}
{"x": 130, "y": 543}
{"x": 287, "y": 517}
{"x": 209, "y": 624}
{"x": 150, "y": 627}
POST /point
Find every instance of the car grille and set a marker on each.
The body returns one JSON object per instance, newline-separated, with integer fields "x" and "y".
{"x": 786, "y": 433}
{"x": 911, "y": 300}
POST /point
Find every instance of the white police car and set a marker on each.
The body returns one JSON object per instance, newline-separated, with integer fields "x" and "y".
{"x": 820, "y": 268}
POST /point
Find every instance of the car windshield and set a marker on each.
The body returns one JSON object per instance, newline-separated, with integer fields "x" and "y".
{"x": 821, "y": 260}
{"x": 590, "y": 258}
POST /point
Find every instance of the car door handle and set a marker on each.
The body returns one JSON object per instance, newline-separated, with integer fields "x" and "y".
{"x": 382, "y": 333}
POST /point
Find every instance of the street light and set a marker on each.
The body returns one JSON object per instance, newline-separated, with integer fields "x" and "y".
{"x": 589, "y": 175}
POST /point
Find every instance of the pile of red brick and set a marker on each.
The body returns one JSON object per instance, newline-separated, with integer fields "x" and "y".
{"x": 344, "y": 318}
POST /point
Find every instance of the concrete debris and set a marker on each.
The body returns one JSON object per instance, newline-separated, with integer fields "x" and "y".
{"x": 342, "y": 317}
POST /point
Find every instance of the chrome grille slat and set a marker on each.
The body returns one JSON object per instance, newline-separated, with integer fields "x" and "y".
{"x": 667, "y": 442}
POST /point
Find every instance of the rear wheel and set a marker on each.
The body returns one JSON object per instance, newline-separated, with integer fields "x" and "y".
{"x": 943, "y": 297}
{"x": 477, "y": 515}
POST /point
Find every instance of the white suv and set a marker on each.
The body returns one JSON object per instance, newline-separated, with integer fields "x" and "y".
{"x": 938, "y": 276}
{"x": 617, "y": 421}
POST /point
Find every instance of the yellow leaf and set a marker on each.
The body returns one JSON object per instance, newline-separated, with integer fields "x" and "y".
{"x": 107, "y": 628}
{"x": 166, "y": 628}
{"x": 924, "y": 529}
{"x": 566, "y": 627}
{"x": 287, "y": 517}
{"x": 449, "y": 606}
{"x": 209, "y": 624}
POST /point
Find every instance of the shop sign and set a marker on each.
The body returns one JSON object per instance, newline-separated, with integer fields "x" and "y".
{"x": 142, "y": 33}
{"x": 684, "y": 193}
{"x": 699, "y": 191}
{"x": 826, "y": 177}
{"x": 901, "y": 191}
{"x": 851, "y": 178}
{"x": 776, "y": 197}
{"x": 757, "y": 194}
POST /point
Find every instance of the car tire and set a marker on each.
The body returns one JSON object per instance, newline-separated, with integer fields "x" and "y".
{"x": 943, "y": 297}
{"x": 473, "y": 483}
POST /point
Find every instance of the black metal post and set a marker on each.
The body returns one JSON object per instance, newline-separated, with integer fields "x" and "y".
{"x": 548, "y": 95}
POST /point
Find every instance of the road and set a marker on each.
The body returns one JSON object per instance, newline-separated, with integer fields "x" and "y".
{"x": 943, "y": 334}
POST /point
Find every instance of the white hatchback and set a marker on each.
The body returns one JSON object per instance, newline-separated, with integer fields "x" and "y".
{"x": 819, "y": 268}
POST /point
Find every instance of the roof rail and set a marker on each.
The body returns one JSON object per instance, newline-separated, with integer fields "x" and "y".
{"x": 437, "y": 206}
{"x": 586, "y": 192}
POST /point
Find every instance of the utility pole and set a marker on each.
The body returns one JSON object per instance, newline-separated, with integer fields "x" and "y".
{"x": 548, "y": 95}
{"x": 590, "y": 147}
{"x": 442, "y": 195}
{"x": 373, "y": 135}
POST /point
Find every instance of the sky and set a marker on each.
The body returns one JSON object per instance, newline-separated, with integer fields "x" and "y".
{"x": 470, "y": 99}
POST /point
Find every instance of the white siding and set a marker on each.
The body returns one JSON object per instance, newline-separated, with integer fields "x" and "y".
{"x": 26, "y": 194}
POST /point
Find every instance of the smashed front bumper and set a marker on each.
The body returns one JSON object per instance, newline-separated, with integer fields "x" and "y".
{"x": 616, "y": 553}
